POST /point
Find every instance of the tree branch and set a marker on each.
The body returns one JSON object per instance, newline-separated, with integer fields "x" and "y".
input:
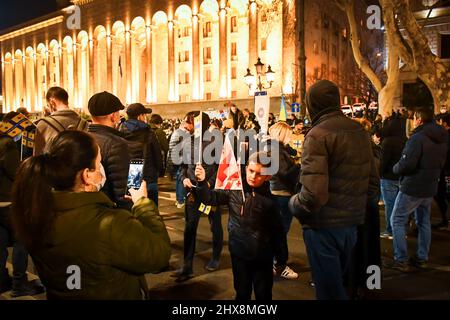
{"x": 362, "y": 62}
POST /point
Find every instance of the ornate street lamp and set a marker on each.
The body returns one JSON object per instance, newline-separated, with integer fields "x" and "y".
{"x": 269, "y": 75}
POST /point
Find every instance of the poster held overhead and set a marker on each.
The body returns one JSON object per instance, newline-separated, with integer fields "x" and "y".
{"x": 283, "y": 112}
{"x": 262, "y": 109}
{"x": 198, "y": 135}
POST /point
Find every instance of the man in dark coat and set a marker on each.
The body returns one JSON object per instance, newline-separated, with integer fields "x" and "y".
{"x": 420, "y": 166}
{"x": 104, "y": 108}
{"x": 192, "y": 210}
{"x": 394, "y": 139}
{"x": 143, "y": 145}
{"x": 336, "y": 170}
{"x": 442, "y": 197}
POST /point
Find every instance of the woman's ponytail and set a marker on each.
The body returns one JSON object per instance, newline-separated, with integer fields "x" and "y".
{"x": 32, "y": 209}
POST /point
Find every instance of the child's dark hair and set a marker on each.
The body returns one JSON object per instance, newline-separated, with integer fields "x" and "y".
{"x": 33, "y": 208}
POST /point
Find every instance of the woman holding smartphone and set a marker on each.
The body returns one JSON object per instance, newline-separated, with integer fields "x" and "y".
{"x": 82, "y": 246}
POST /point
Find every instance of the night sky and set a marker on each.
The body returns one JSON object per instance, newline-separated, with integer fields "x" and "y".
{"x": 15, "y": 12}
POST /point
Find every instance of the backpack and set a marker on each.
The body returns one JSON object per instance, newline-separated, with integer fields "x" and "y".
{"x": 58, "y": 126}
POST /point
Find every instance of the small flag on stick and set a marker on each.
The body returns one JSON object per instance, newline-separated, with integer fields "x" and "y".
{"x": 229, "y": 173}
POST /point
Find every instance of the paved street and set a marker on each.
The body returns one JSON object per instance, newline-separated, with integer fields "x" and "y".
{"x": 432, "y": 283}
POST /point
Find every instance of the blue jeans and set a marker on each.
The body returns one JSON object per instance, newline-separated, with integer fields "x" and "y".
{"x": 329, "y": 253}
{"x": 389, "y": 191}
{"x": 180, "y": 191}
{"x": 286, "y": 219}
{"x": 404, "y": 205}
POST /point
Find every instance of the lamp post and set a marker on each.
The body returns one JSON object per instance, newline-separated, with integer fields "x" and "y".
{"x": 269, "y": 75}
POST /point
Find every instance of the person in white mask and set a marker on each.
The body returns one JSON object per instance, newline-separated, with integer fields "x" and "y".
{"x": 71, "y": 228}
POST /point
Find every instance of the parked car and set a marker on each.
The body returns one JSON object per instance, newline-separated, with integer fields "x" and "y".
{"x": 357, "y": 107}
{"x": 347, "y": 110}
{"x": 373, "y": 106}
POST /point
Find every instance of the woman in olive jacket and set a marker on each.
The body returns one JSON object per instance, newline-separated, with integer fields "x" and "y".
{"x": 82, "y": 246}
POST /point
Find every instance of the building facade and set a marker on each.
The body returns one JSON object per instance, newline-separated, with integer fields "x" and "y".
{"x": 171, "y": 53}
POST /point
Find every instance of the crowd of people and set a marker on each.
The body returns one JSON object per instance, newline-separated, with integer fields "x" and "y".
{"x": 68, "y": 203}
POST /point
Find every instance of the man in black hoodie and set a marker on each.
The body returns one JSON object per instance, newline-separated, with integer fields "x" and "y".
{"x": 336, "y": 169}
{"x": 420, "y": 166}
{"x": 143, "y": 144}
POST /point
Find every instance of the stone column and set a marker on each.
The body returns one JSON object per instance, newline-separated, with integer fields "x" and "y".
{"x": 13, "y": 101}
{"x": 128, "y": 74}
{"x": 91, "y": 90}
{"x": 109, "y": 67}
{"x": 76, "y": 95}
{"x": 223, "y": 53}
{"x": 171, "y": 68}
{"x": 196, "y": 57}
{"x": 148, "y": 67}
{"x": 153, "y": 67}
{"x": 24, "y": 97}
{"x": 47, "y": 71}
{"x": 61, "y": 67}
{"x": 252, "y": 32}
{"x": 36, "y": 82}
{"x": 3, "y": 109}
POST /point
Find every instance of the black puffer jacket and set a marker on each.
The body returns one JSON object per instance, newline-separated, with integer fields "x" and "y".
{"x": 394, "y": 139}
{"x": 255, "y": 233}
{"x": 422, "y": 160}
{"x": 336, "y": 165}
{"x": 115, "y": 160}
{"x": 144, "y": 145}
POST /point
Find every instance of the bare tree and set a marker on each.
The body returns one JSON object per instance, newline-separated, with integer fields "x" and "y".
{"x": 412, "y": 46}
{"x": 415, "y": 50}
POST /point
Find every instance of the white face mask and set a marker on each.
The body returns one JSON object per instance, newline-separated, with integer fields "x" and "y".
{"x": 102, "y": 182}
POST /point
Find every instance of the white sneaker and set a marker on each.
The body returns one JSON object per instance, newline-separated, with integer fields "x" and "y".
{"x": 288, "y": 273}
{"x": 179, "y": 205}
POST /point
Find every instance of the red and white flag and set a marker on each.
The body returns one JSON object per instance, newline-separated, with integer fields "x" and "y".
{"x": 229, "y": 173}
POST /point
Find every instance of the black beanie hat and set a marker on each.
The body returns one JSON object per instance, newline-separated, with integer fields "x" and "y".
{"x": 322, "y": 97}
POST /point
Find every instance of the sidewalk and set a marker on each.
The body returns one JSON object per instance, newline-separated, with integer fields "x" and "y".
{"x": 430, "y": 283}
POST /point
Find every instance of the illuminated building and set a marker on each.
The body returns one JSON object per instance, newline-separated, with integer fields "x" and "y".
{"x": 174, "y": 55}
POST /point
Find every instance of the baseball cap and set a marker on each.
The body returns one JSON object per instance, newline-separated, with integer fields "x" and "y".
{"x": 104, "y": 103}
{"x": 136, "y": 109}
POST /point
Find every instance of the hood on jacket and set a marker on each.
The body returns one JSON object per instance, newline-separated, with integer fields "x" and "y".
{"x": 322, "y": 98}
{"x": 133, "y": 125}
{"x": 435, "y": 132}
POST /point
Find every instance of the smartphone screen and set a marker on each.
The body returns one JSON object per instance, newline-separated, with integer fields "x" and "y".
{"x": 135, "y": 174}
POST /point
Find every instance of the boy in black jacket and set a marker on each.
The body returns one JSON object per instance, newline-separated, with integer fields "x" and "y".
{"x": 254, "y": 227}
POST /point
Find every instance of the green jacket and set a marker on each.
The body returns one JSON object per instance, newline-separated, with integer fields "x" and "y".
{"x": 112, "y": 247}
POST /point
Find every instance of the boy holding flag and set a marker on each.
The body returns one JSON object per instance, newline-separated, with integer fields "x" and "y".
{"x": 254, "y": 225}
